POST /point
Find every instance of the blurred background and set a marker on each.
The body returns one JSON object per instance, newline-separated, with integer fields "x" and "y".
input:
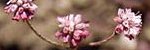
{"x": 18, "y": 36}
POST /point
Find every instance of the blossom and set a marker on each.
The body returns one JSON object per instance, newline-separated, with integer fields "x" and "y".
{"x": 72, "y": 30}
{"x": 129, "y": 23}
{"x": 21, "y": 9}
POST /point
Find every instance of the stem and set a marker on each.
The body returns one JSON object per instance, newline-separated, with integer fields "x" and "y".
{"x": 102, "y": 41}
{"x": 42, "y": 37}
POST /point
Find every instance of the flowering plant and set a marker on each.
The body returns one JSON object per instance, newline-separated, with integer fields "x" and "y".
{"x": 21, "y": 9}
{"x": 72, "y": 29}
{"x": 129, "y": 23}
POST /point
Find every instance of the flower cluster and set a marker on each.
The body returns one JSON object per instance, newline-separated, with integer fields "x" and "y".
{"x": 129, "y": 23}
{"x": 21, "y": 9}
{"x": 72, "y": 29}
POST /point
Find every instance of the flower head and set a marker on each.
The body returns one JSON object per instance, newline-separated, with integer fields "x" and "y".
{"x": 129, "y": 23}
{"x": 21, "y": 9}
{"x": 72, "y": 29}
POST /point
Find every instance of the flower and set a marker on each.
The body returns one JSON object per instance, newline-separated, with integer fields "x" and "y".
{"x": 129, "y": 23}
{"x": 72, "y": 30}
{"x": 21, "y": 9}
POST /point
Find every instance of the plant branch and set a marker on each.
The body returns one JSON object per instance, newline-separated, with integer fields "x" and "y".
{"x": 102, "y": 41}
{"x": 42, "y": 37}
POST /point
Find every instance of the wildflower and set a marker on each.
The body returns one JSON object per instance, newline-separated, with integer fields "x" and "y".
{"x": 72, "y": 29}
{"x": 129, "y": 23}
{"x": 21, "y": 9}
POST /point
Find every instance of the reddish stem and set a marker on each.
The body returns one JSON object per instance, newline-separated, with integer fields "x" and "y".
{"x": 42, "y": 37}
{"x": 102, "y": 41}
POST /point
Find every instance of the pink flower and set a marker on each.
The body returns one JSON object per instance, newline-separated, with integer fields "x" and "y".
{"x": 22, "y": 9}
{"x": 72, "y": 29}
{"x": 129, "y": 23}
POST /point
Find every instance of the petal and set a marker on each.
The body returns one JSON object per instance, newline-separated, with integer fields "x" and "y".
{"x": 11, "y": 1}
{"x": 66, "y": 39}
{"x": 19, "y": 2}
{"x": 26, "y": 5}
{"x": 16, "y": 17}
{"x": 8, "y": 2}
{"x": 21, "y": 10}
{"x": 119, "y": 29}
{"x": 120, "y": 11}
{"x": 76, "y": 37}
{"x": 118, "y": 19}
{"x": 61, "y": 25}
{"x": 130, "y": 15}
{"x": 65, "y": 30}
{"x": 128, "y": 10}
{"x": 11, "y": 8}
{"x": 14, "y": 8}
{"x": 134, "y": 31}
{"x": 85, "y": 33}
{"x": 58, "y": 34}
{"x": 82, "y": 25}
{"x": 24, "y": 16}
{"x": 125, "y": 32}
{"x": 71, "y": 26}
{"x": 76, "y": 34}
{"x": 33, "y": 6}
{"x": 126, "y": 24}
{"x": 7, "y": 9}
{"x": 73, "y": 42}
{"x": 138, "y": 16}
{"x": 61, "y": 19}
{"x": 79, "y": 26}
{"x": 77, "y": 19}
{"x": 71, "y": 17}
{"x": 124, "y": 17}
{"x": 137, "y": 20}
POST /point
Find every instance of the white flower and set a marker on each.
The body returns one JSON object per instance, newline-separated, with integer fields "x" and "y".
{"x": 128, "y": 22}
